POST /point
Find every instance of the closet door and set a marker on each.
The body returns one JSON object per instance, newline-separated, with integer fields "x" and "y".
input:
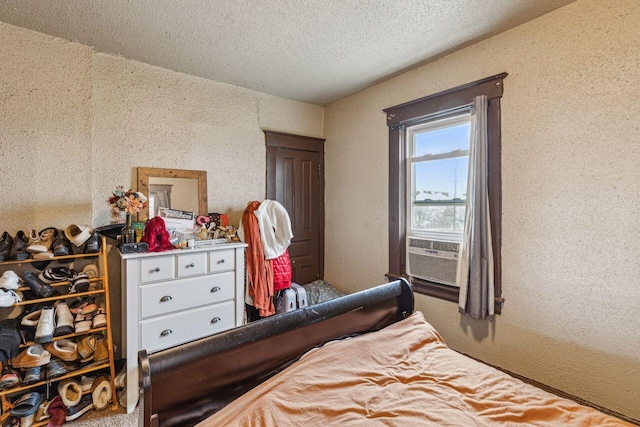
{"x": 295, "y": 179}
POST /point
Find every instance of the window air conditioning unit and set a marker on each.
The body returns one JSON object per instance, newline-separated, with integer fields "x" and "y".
{"x": 433, "y": 260}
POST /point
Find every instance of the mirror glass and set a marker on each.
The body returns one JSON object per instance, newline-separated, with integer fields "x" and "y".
{"x": 173, "y": 188}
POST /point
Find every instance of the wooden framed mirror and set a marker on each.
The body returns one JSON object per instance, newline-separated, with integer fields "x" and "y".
{"x": 180, "y": 189}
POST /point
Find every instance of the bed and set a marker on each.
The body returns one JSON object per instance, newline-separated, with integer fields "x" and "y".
{"x": 361, "y": 359}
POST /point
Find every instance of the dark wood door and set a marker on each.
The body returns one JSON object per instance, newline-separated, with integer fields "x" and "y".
{"x": 295, "y": 179}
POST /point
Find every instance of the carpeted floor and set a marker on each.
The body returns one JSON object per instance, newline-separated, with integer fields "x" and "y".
{"x": 107, "y": 418}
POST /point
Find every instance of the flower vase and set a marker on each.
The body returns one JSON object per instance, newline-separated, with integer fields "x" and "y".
{"x": 128, "y": 231}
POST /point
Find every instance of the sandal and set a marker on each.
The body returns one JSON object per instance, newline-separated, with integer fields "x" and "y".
{"x": 27, "y": 404}
{"x": 86, "y": 348}
{"x": 84, "y": 306}
{"x": 100, "y": 319}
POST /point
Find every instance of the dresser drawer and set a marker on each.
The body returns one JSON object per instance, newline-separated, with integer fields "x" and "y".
{"x": 154, "y": 269}
{"x": 167, "y": 297}
{"x": 192, "y": 264}
{"x": 221, "y": 261}
{"x": 168, "y": 331}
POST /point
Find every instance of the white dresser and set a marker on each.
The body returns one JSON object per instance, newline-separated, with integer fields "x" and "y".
{"x": 173, "y": 297}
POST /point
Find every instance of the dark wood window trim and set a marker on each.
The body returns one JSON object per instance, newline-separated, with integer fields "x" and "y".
{"x": 411, "y": 112}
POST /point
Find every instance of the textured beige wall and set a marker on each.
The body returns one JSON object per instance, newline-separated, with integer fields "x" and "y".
{"x": 74, "y": 124}
{"x": 571, "y": 209}
{"x": 45, "y": 130}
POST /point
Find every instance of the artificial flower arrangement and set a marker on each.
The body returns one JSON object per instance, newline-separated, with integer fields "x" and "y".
{"x": 127, "y": 201}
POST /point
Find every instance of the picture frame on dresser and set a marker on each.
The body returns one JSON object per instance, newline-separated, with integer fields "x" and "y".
{"x": 177, "y": 296}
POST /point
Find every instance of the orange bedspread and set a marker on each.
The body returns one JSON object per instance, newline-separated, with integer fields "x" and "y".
{"x": 403, "y": 375}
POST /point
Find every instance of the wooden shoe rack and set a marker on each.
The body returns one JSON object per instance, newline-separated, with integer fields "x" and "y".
{"x": 101, "y": 291}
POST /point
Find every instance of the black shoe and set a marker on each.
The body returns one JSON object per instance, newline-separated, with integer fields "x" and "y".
{"x": 57, "y": 274}
{"x": 61, "y": 246}
{"x": 32, "y": 375}
{"x": 19, "y": 248}
{"x": 38, "y": 287}
{"x": 57, "y": 368}
{"x": 6, "y": 242}
{"x": 85, "y": 405}
{"x": 92, "y": 245}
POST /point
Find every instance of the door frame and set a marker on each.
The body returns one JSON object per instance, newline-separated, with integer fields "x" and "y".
{"x": 280, "y": 140}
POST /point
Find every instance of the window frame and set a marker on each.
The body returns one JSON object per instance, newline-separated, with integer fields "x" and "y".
{"x": 400, "y": 117}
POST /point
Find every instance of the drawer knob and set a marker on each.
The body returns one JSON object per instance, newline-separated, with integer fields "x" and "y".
{"x": 156, "y": 269}
{"x": 191, "y": 265}
{"x": 166, "y": 298}
{"x": 166, "y": 332}
{"x": 215, "y": 320}
{"x": 215, "y": 289}
{"x": 221, "y": 261}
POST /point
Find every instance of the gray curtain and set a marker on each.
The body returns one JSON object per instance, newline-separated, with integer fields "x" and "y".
{"x": 475, "y": 272}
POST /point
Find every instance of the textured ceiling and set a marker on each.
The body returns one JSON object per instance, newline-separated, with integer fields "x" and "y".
{"x": 314, "y": 51}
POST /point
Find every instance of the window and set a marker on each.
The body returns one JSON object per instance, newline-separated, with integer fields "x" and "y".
{"x": 438, "y": 163}
{"x": 428, "y": 173}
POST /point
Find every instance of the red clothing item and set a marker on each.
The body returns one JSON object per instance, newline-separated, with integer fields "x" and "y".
{"x": 282, "y": 271}
{"x": 260, "y": 271}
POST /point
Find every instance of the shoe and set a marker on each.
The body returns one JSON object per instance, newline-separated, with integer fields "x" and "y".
{"x": 61, "y": 246}
{"x": 86, "y": 348}
{"x": 46, "y": 325}
{"x": 57, "y": 274}
{"x": 10, "y": 280}
{"x": 34, "y": 237}
{"x": 31, "y": 319}
{"x": 19, "y": 248}
{"x": 77, "y": 234}
{"x": 41, "y": 265}
{"x": 122, "y": 397}
{"x": 91, "y": 270}
{"x": 32, "y": 375}
{"x": 92, "y": 246}
{"x": 46, "y": 236}
{"x": 101, "y": 392}
{"x": 120, "y": 381}
{"x": 27, "y": 404}
{"x": 33, "y": 356}
{"x": 70, "y": 392}
{"x": 43, "y": 411}
{"x": 64, "y": 320}
{"x": 84, "y": 306}
{"x": 42, "y": 249}
{"x": 10, "y": 378}
{"x": 6, "y": 242}
{"x": 99, "y": 319}
{"x": 83, "y": 323}
{"x": 63, "y": 349}
{"x": 80, "y": 283}
{"x": 86, "y": 383}
{"x": 39, "y": 287}
{"x": 9, "y": 298}
{"x": 102, "y": 350}
{"x": 75, "y": 412}
{"x": 57, "y": 368}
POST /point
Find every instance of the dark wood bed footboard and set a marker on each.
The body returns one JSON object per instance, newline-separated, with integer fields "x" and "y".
{"x": 185, "y": 384}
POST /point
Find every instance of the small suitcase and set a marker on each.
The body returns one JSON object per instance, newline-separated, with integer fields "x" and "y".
{"x": 301, "y": 295}
{"x": 285, "y": 300}
{"x": 293, "y": 298}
